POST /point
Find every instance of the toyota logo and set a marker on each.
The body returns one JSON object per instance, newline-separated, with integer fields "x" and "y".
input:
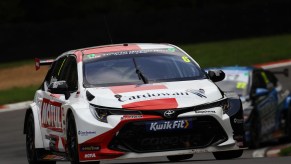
{"x": 169, "y": 113}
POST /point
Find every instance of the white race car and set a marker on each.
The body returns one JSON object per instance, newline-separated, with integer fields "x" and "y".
{"x": 131, "y": 101}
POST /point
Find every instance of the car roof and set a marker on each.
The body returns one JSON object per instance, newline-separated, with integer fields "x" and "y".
{"x": 238, "y": 68}
{"x": 124, "y": 47}
{"x": 117, "y": 47}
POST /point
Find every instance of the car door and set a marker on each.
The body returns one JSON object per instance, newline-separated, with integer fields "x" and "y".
{"x": 281, "y": 95}
{"x": 52, "y": 113}
{"x": 265, "y": 102}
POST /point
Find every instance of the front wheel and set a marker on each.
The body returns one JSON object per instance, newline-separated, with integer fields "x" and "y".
{"x": 228, "y": 154}
{"x": 73, "y": 142}
{"x": 176, "y": 158}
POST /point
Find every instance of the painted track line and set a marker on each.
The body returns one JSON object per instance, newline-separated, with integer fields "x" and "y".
{"x": 260, "y": 153}
{"x": 16, "y": 106}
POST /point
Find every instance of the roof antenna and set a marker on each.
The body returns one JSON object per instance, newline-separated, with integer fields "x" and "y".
{"x": 107, "y": 29}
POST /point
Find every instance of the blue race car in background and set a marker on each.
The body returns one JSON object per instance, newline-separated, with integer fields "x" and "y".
{"x": 266, "y": 104}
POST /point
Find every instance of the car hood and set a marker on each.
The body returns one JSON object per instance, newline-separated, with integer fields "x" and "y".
{"x": 168, "y": 95}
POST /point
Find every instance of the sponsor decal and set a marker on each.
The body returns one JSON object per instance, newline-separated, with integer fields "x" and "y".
{"x": 90, "y": 148}
{"x": 91, "y": 155}
{"x": 91, "y": 56}
{"x": 127, "y": 117}
{"x": 156, "y": 95}
{"x": 169, "y": 125}
{"x": 51, "y": 117}
{"x": 156, "y": 141}
{"x": 129, "y": 52}
{"x": 172, "y": 49}
{"x": 54, "y": 157}
{"x": 238, "y": 121}
{"x": 86, "y": 133}
{"x": 205, "y": 111}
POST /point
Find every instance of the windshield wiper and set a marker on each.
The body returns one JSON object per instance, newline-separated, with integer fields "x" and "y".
{"x": 139, "y": 73}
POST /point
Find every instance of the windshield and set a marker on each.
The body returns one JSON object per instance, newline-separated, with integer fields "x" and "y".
{"x": 147, "y": 67}
{"x": 235, "y": 80}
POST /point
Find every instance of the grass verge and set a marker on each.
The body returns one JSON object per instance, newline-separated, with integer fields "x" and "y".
{"x": 17, "y": 94}
{"x": 241, "y": 52}
{"x": 285, "y": 152}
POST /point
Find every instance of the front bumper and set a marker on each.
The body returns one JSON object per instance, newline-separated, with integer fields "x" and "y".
{"x": 204, "y": 131}
{"x": 129, "y": 139}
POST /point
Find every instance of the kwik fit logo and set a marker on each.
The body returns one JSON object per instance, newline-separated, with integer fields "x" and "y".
{"x": 169, "y": 125}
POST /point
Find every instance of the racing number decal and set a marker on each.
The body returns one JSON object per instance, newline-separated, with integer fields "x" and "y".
{"x": 186, "y": 59}
{"x": 241, "y": 85}
{"x": 51, "y": 115}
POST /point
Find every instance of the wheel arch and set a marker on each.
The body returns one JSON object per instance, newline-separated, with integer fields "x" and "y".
{"x": 27, "y": 113}
{"x": 37, "y": 128}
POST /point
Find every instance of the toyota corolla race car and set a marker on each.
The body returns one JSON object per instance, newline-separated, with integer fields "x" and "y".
{"x": 131, "y": 101}
{"x": 267, "y": 105}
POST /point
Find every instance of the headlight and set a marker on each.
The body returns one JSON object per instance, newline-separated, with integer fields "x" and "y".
{"x": 101, "y": 113}
{"x": 224, "y": 104}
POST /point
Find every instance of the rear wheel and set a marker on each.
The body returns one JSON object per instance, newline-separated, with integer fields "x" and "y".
{"x": 30, "y": 143}
{"x": 72, "y": 142}
{"x": 176, "y": 158}
{"x": 228, "y": 154}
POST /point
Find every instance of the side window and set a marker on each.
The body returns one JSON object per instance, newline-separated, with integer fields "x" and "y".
{"x": 258, "y": 80}
{"x": 57, "y": 69}
{"x": 272, "y": 78}
{"x": 69, "y": 73}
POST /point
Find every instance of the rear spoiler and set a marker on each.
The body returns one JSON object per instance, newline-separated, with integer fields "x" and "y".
{"x": 285, "y": 72}
{"x": 40, "y": 62}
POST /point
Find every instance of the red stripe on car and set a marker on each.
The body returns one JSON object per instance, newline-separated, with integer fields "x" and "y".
{"x": 112, "y": 49}
{"x": 169, "y": 103}
{"x": 134, "y": 88}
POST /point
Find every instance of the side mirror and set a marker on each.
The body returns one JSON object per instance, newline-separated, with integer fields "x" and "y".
{"x": 217, "y": 75}
{"x": 59, "y": 87}
{"x": 261, "y": 92}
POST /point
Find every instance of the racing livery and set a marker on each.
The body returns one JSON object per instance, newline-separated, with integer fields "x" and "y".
{"x": 266, "y": 104}
{"x": 131, "y": 101}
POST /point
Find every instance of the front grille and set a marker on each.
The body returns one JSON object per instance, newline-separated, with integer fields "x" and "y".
{"x": 205, "y": 131}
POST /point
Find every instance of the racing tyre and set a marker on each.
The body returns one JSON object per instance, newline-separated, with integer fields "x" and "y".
{"x": 255, "y": 133}
{"x": 30, "y": 144}
{"x": 176, "y": 158}
{"x": 73, "y": 142}
{"x": 228, "y": 154}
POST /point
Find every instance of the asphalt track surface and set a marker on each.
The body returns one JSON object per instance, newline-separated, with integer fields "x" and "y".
{"x": 12, "y": 143}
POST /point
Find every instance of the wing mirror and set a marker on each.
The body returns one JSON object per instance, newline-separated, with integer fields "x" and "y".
{"x": 59, "y": 87}
{"x": 216, "y": 75}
